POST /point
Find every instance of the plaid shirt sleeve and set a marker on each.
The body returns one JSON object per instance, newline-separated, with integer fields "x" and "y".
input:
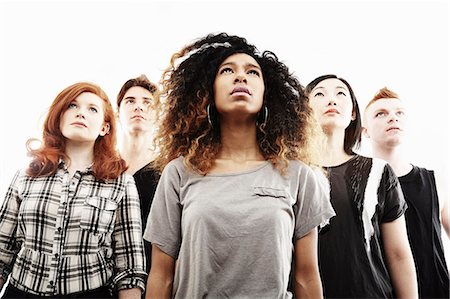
{"x": 128, "y": 242}
{"x": 8, "y": 227}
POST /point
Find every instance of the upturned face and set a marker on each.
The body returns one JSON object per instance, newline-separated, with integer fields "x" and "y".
{"x": 384, "y": 122}
{"x": 135, "y": 111}
{"x": 332, "y": 104}
{"x": 239, "y": 87}
{"x": 83, "y": 120}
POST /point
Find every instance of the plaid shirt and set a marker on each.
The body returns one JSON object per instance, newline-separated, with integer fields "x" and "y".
{"x": 62, "y": 235}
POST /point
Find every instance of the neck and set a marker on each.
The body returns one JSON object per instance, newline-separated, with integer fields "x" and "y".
{"x": 238, "y": 142}
{"x": 136, "y": 150}
{"x": 394, "y": 156}
{"x": 334, "y": 149}
{"x": 81, "y": 155}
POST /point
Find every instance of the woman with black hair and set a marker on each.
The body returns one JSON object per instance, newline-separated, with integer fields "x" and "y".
{"x": 364, "y": 252}
{"x": 236, "y": 194}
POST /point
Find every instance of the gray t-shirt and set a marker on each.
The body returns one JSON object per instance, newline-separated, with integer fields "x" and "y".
{"x": 233, "y": 233}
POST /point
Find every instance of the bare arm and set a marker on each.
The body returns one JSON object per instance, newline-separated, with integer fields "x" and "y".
{"x": 400, "y": 261}
{"x": 160, "y": 279}
{"x": 307, "y": 283}
{"x": 134, "y": 293}
{"x": 445, "y": 217}
{"x": 444, "y": 200}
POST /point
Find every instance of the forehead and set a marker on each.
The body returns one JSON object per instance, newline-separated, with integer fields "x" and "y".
{"x": 240, "y": 58}
{"x": 89, "y": 98}
{"x": 331, "y": 84}
{"x": 138, "y": 91}
{"x": 387, "y": 104}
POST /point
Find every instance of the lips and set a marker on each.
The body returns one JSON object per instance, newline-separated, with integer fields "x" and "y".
{"x": 332, "y": 111}
{"x": 79, "y": 124}
{"x": 393, "y": 128}
{"x": 138, "y": 117}
{"x": 240, "y": 89}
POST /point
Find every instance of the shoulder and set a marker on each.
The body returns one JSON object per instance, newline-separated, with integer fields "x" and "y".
{"x": 306, "y": 172}
{"x": 177, "y": 170}
{"x": 297, "y": 166}
{"x": 176, "y": 165}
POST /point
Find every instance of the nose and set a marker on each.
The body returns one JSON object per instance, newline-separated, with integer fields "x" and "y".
{"x": 138, "y": 107}
{"x": 393, "y": 117}
{"x": 80, "y": 114}
{"x": 240, "y": 78}
{"x": 331, "y": 102}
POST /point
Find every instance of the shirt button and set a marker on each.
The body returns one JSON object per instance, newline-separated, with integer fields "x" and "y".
{"x": 59, "y": 229}
{"x": 64, "y": 203}
{"x": 50, "y": 283}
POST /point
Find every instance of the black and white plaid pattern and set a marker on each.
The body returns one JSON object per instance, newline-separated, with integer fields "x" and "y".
{"x": 62, "y": 235}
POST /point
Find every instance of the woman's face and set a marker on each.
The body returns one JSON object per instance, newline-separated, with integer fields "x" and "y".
{"x": 83, "y": 120}
{"x": 239, "y": 87}
{"x": 332, "y": 104}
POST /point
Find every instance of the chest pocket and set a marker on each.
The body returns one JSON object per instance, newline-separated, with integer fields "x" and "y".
{"x": 97, "y": 215}
{"x": 274, "y": 193}
{"x": 270, "y": 192}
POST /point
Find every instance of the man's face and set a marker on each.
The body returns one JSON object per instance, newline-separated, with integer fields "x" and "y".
{"x": 384, "y": 122}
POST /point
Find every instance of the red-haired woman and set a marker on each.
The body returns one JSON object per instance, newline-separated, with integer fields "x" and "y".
{"x": 70, "y": 223}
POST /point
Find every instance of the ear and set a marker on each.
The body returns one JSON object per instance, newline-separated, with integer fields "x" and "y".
{"x": 105, "y": 129}
{"x": 365, "y": 132}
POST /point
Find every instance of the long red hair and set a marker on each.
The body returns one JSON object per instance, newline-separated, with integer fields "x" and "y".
{"x": 107, "y": 162}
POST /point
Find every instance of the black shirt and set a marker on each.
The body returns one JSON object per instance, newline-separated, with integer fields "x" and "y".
{"x": 146, "y": 180}
{"x": 364, "y": 193}
{"x": 424, "y": 232}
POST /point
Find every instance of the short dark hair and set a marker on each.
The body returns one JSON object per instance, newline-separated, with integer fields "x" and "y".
{"x": 141, "y": 81}
{"x": 352, "y": 139}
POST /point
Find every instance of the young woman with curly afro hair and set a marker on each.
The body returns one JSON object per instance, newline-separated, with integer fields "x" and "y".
{"x": 236, "y": 193}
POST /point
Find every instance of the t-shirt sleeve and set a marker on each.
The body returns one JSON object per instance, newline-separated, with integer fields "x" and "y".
{"x": 163, "y": 227}
{"x": 313, "y": 208}
{"x": 394, "y": 201}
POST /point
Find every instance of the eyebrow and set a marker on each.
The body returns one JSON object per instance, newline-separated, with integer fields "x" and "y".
{"x": 251, "y": 65}
{"x": 133, "y": 97}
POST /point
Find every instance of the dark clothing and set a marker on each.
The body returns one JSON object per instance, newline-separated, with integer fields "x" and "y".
{"x": 100, "y": 293}
{"x": 365, "y": 193}
{"x": 146, "y": 180}
{"x": 424, "y": 232}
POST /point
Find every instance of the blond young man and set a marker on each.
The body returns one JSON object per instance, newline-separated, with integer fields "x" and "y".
{"x": 384, "y": 125}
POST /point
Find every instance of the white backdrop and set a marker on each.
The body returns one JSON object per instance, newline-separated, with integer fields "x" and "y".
{"x": 48, "y": 45}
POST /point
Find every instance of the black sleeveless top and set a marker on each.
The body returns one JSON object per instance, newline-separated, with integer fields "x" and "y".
{"x": 424, "y": 232}
{"x": 146, "y": 180}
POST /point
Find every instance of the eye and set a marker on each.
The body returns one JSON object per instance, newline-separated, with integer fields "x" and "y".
{"x": 147, "y": 103}
{"x": 380, "y": 114}
{"x": 319, "y": 94}
{"x": 129, "y": 101}
{"x": 72, "y": 105}
{"x": 400, "y": 113}
{"x": 254, "y": 72}
{"x": 226, "y": 70}
{"x": 93, "y": 109}
{"x": 342, "y": 93}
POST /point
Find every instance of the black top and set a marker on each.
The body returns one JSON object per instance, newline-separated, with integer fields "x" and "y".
{"x": 424, "y": 232}
{"x": 146, "y": 180}
{"x": 351, "y": 256}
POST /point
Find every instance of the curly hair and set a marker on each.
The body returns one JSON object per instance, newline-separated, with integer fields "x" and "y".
{"x": 288, "y": 134}
{"x": 45, "y": 160}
